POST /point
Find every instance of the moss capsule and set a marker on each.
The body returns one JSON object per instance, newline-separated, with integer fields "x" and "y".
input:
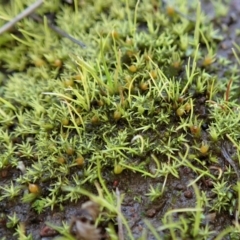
{"x": 204, "y": 148}
{"x": 117, "y": 115}
{"x": 176, "y": 64}
{"x": 130, "y": 53}
{"x": 170, "y": 11}
{"x": 147, "y": 57}
{"x": 118, "y": 169}
{"x": 4, "y": 173}
{"x": 69, "y": 151}
{"x": 68, "y": 83}
{"x": 207, "y": 61}
{"x": 115, "y": 34}
{"x": 143, "y": 86}
{"x": 57, "y": 63}
{"x": 95, "y": 120}
{"x": 48, "y": 126}
{"x": 153, "y": 74}
{"x": 187, "y": 107}
{"x": 80, "y": 160}
{"x": 129, "y": 41}
{"x": 132, "y": 68}
{"x": 39, "y": 62}
{"x": 180, "y": 111}
{"x": 78, "y": 77}
{"x": 61, "y": 160}
{"x": 65, "y": 121}
{"x": 180, "y": 99}
{"x": 78, "y": 121}
{"x": 100, "y": 103}
{"x": 33, "y": 188}
{"x": 195, "y": 130}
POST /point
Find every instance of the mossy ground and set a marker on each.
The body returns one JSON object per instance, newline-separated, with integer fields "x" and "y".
{"x": 150, "y": 106}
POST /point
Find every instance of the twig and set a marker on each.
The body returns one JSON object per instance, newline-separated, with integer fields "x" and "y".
{"x": 120, "y": 225}
{"x": 20, "y": 16}
{"x": 230, "y": 161}
{"x": 228, "y": 90}
{"x": 58, "y": 30}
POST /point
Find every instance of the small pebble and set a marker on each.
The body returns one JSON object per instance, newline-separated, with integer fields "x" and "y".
{"x": 179, "y": 187}
{"x": 140, "y": 228}
{"x": 150, "y": 212}
{"x": 188, "y": 194}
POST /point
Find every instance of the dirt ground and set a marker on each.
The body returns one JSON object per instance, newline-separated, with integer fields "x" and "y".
{"x": 136, "y": 205}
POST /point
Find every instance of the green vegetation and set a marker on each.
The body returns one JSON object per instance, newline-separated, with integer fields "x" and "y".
{"x": 148, "y": 94}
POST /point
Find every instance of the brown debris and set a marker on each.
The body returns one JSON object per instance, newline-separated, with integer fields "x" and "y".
{"x": 47, "y": 231}
{"x": 83, "y": 223}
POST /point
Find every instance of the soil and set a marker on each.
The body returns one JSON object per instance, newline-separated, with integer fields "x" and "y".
{"x": 136, "y": 205}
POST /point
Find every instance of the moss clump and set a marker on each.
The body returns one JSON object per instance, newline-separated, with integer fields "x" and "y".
{"x": 143, "y": 95}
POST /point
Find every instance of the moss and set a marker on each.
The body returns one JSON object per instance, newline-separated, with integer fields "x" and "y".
{"x": 143, "y": 95}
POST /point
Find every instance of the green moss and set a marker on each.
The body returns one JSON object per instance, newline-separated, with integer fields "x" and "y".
{"x": 117, "y": 102}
